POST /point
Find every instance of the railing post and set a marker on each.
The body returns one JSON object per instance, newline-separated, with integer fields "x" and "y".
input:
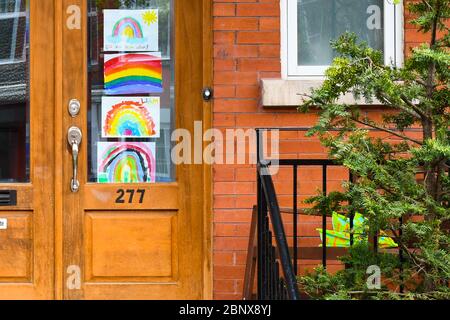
{"x": 295, "y": 218}
{"x": 280, "y": 234}
{"x": 259, "y": 219}
{"x": 263, "y": 228}
{"x": 324, "y": 217}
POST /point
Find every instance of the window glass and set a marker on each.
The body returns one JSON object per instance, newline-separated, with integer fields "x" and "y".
{"x": 14, "y": 96}
{"x": 131, "y": 89}
{"x": 320, "y": 21}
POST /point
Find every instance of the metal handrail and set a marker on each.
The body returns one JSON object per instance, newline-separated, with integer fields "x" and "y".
{"x": 268, "y": 206}
{"x": 268, "y": 189}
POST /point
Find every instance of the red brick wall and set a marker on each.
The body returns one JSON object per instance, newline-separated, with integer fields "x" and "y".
{"x": 247, "y": 49}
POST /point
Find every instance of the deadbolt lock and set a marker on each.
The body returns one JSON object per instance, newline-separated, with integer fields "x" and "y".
{"x": 74, "y": 107}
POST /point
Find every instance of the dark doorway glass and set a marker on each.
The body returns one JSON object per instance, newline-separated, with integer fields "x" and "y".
{"x": 14, "y": 91}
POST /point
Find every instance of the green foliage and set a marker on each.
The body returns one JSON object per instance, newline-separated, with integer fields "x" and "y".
{"x": 351, "y": 283}
{"x": 401, "y": 177}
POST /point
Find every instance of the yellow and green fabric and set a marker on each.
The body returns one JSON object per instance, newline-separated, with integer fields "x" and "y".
{"x": 339, "y": 237}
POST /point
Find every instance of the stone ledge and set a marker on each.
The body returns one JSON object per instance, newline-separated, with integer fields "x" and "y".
{"x": 288, "y": 93}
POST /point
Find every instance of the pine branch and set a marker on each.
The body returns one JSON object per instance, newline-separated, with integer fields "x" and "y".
{"x": 413, "y": 106}
{"x": 374, "y": 126}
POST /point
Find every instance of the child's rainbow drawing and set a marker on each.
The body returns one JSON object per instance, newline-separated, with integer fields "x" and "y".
{"x": 133, "y": 73}
{"x": 131, "y": 117}
{"x": 126, "y": 162}
{"x": 131, "y": 30}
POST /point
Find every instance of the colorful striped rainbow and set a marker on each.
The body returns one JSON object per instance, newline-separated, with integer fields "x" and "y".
{"x": 129, "y": 119}
{"x": 128, "y": 27}
{"x": 138, "y": 73}
{"x": 126, "y": 163}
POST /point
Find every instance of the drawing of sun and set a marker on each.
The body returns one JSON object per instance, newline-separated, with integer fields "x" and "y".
{"x": 150, "y": 17}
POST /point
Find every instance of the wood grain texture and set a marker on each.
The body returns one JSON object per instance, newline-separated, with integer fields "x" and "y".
{"x": 31, "y": 277}
{"x": 59, "y": 149}
{"x": 131, "y": 247}
{"x": 74, "y": 86}
{"x": 207, "y": 169}
{"x": 104, "y": 196}
{"x": 99, "y": 234}
{"x": 24, "y": 196}
{"x": 167, "y": 238}
{"x": 16, "y": 248}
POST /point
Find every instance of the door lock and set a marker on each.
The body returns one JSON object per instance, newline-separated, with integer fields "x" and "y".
{"x": 74, "y": 137}
{"x": 74, "y": 107}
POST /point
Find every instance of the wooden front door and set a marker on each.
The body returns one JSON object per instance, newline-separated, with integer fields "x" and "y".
{"x": 91, "y": 204}
{"x": 134, "y": 225}
{"x": 26, "y": 149}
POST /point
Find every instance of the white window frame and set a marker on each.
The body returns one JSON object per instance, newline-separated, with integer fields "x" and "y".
{"x": 393, "y": 41}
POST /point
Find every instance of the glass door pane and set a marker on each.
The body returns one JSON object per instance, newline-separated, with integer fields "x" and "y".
{"x": 14, "y": 91}
{"x": 131, "y": 90}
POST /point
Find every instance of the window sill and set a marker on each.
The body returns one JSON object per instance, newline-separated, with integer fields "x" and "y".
{"x": 280, "y": 93}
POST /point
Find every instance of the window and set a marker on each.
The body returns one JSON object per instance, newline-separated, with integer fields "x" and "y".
{"x": 14, "y": 92}
{"x": 310, "y": 25}
{"x": 13, "y": 25}
{"x": 165, "y": 171}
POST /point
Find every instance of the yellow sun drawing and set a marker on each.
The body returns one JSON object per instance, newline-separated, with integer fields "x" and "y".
{"x": 150, "y": 17}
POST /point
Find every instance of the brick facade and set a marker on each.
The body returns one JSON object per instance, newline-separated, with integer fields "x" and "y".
{"x": 247, "y": 49}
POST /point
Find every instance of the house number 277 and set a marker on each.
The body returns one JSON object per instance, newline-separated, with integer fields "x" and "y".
{"x": 130, "y": 196}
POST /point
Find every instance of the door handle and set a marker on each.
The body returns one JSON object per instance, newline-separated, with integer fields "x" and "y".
{"x": 74, "y": 137}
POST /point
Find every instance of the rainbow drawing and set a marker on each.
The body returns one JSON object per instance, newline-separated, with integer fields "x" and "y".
{"x": 126, "y": 162}
{"x": 133, "y": 73}
{"x": 128, "y": 27}
{"x": 130, "y": 117}
{"x": 131, "y": 30}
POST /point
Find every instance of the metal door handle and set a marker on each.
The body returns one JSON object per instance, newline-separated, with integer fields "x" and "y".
{"x": 74, "y": 137}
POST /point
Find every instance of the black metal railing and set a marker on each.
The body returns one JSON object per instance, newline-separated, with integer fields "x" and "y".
{"x": 296, "y": 164}
{"x": 268, "y": 225}
{"x": 272, "y": 284}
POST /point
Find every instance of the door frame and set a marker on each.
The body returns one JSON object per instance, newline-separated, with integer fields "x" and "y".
{"x": 208, "y": 107}
{"x": 60, "y": 144}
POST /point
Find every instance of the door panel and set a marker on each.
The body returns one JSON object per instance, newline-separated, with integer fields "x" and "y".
{"x": 134, "y": 240}
{"x": 16, "y": 253}
{"x": 131, "y": 247}
{"x": 26, "y": 157}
